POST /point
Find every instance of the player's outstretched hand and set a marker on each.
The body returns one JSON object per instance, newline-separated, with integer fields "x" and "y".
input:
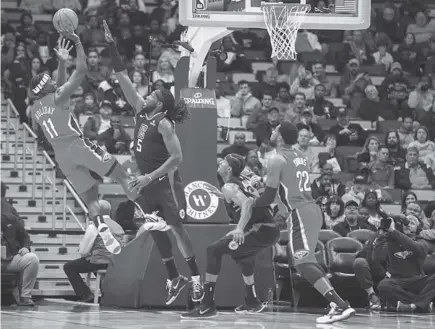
{"x": 139, "y": 183}
{"x": 69, "y": 35}
{"x": 107, "y": 33}
{"x": 63, "y": 50}
{"x": 213, "y": 190}
{"x": 238, "y": 235}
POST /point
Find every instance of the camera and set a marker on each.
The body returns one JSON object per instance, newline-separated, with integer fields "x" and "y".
{"x": 399, "y": 221}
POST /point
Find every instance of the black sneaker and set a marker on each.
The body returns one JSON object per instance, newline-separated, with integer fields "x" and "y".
{"x": 204, "y": 311}
{"x": 26, "y": 301}
{"x": 374, "y": 302}
{"x": 174, "y": 288}
{"x": 336, "y": 314}
{"x": 197, "y": 289}
{"x": 404, "y": 308}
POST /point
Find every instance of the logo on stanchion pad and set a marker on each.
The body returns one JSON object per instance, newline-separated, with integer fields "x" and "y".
{"x": 201, "y": 204}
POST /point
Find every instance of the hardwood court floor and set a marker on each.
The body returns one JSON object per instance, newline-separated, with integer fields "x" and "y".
{"x": 57, "y": 315}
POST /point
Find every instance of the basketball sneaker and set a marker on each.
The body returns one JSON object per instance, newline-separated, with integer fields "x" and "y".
{"x": 255, "y": 306}
{"x": 197, "y": 289}
{"x": 204, "y": 311}
{"x": 336, "y": 314}
{"x": 111, "y": 244}
{"x": 154, "y": 222}
{"x": 174, "y": 288}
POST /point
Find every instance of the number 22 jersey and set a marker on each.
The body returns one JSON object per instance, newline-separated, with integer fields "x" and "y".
{"x": 294, "y": 190}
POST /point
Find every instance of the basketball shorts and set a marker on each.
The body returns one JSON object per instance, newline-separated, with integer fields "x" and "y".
{"x": 79, "y": 158}
{"x": 166, "y": 197}
{"x": 256, "y": 239}
{"x": 304, "y": 226}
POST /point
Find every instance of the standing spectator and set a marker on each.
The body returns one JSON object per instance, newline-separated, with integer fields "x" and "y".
{"x": 406, "y": 132}
{"x": 369, "y": 151}
{"x": 351, "y": 221}
{"x": 331, "y": 89}
{"x": 238, "y": 147}
{"x": 423, "y": 28}
{"x": 375, "y": 109}
{"x": 17, "y": 257}
{"x": 334, "y": 213}
{"x": 426, "y": 148}
{"x": 397, "y": 153}
{"x": 347, "y": 133}
{"x": 331, "y": 157}
{"x": 382, "y": 173}
{"x": 303, "y": 146}
{"x": 414, "y": 174}
{"x": 260, "y": 115}
{"x": 321, "y": 107}
{"x": 244, "y": 104}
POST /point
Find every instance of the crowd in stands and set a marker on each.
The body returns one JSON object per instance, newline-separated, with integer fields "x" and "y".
{"x": 363, "y": 101}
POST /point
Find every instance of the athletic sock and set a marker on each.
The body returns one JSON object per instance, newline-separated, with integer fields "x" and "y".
{"x": 209, "y": 288}
{"x": 171, "y": 268}
{"x": 333, "y": 297}
{"x": 251, "y": 295}
{"x": 191, "y": 261}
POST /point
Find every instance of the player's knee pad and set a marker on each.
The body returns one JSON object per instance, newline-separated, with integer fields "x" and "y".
{"x": 312, "y": 272}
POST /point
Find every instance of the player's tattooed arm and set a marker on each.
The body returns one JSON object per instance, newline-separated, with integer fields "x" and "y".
{"x": 273, "y": 178}
{"x": 130, "y": 93}
{"x": 233, "y": 194}
{"x": 167, "y": 130}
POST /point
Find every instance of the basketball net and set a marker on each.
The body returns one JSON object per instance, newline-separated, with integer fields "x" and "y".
{"x": 282, "y": 23}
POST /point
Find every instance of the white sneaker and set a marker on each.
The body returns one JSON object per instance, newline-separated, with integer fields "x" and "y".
{"x": 153, "y": 222}
{"x": 111, "y": 244}
{"x": 336, "y": 314}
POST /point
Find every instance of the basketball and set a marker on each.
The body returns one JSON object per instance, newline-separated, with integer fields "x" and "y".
{"x": 65, "y": 19}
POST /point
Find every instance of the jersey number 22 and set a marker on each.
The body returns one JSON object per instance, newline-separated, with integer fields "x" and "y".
{"x": 304, "y": 181}
{"x": 49, "y": 128}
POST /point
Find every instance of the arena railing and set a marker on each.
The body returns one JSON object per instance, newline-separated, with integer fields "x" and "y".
{"x": 13, "y": 121}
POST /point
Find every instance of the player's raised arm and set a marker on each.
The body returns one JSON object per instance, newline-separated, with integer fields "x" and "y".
{"x": 133, "y": 98}
{"x": 63, "y": 93}
{"x": 274, "y": 167}
{"x": 62, "y": 53}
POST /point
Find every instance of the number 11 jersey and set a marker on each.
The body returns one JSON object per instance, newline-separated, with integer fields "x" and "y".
{"x": 57, "y": 122}
{"x": 295, "y": 185}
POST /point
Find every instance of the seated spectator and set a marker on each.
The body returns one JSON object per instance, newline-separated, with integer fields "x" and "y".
{"x": 428, "y": 232}
{"x": 304, "y": 84}
{"x": 246, "y": 39}
{"x": 415, "y": 209}
{"x": 408, "y": 54}
{"x": 244, "y": 104}
{"x": 253, "y": 165}
{"x": 395, "y": 86}
{"x": 358, "y": 47}
{"x": 353, "y": 84}
{"x": 382, "y": 173}
{"x": 140, "y": 82}
{"x": 268, "y": 85}
{"x": 372, "y": 201}
{"x": 369, "y": 272}
{"x": 94, "y": 255}
{"x": 6, "y": 206}
{"x": 96, "y": 73}
{"x": 316, "y": 131}
{"x": 27, "y": 29}
{"x": 407, "y": 286}
{"x": 282, "y": 102}
{"x": 303, "y": 146}
{"x": 16, "y": 256}
{"x": 238, "y": 147}
{"x": 356, "y": 192}
{"x": 264, "y": 129}
{"x": 331, "y": 89}
{"x": 369, "y": 151}
{"x": 265, "y": 151}
{"x": 294, "y": 114}
{"x": 115, "y": 96}
{"x": 130, "y": 165}
{"x": 414, "y": 174}
{"x": 382, "y": 56}
{"x": 223, "y": 104}
{"x": 422, "y": 99}
{"x": 407, "y": 198}
{"x": 397, "y": 153}
{"x": 164, "y": 71}
{"x": 331, "y": 157}
{"x": 322, "y": 108}
{"x": 430, "y": 57}
{"x": 406, "y": 132}
{"x": 334, "y": 212}
{"x": 374, "y": 109}
{"x": 259, "y": 115}
{"x": 347, "y": 133}
{"x": 426, "y": 148}
{"x": 423, "y": 28}
{"x": 351, "y": 221}
{"x": 325, "y": 185}
{"x": 93, "y": 34}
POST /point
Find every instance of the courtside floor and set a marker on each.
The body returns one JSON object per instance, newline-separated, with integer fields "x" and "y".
{"x": 50, "y": 314}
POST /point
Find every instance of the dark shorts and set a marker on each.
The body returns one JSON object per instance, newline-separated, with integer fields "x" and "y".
{"x": 166, "y": 198}
{"x": 304, "y": 226}
{"x": 257, "y": 239}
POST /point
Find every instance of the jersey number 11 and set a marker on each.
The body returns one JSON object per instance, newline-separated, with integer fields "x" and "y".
{"x": 49, "y": 128}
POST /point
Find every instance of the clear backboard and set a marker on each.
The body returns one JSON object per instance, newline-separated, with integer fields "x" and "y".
{"x": 339, "y": 15}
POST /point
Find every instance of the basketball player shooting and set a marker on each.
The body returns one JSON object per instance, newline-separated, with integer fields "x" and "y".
{"x": 255, "y": 231}
{"x": 158, "y": 155}
{"x": 75, "y": 155}
{"x": 288, "y": 175}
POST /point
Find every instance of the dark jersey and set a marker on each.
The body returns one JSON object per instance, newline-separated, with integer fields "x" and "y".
{"x": 259, "y": 214}
{"x": 149, "y": 148}
{"x": 57, "y": 122}
{"x": 295, "y": 184}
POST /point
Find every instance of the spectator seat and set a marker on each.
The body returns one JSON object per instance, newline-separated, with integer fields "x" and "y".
{"x": 352, "y": 164}
{"x": 362, "y": 235}
{"x": 341, "y": 253}
{"x": 326, "y": 124}
{"x": 261, "y": 66}
{"x": 100, "y": 275}
{"x": 377, "y": 81}
{"x": 232, "y": 134}
{"x": 255, "y": 55}
{"x": 396, "y": 194}
{"x": 425, "y": 195}
{"x": 229, "y": 122}
{"x": 366, "y": 125}
{"x": 391, "y": 208}
{"x": 384, "y": 126}
{"x": 326, "y": 235}
{"x": 429, "y": 264}
{"x": 250, "y": 77}
{"x": 338, "y": 102}
{"x": 348, "y": 150}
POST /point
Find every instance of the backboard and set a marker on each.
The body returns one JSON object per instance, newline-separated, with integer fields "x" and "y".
{"x": 340, "y": 15}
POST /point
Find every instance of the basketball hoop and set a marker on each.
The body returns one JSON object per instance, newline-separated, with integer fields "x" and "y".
{"x": 283, "y": 22}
